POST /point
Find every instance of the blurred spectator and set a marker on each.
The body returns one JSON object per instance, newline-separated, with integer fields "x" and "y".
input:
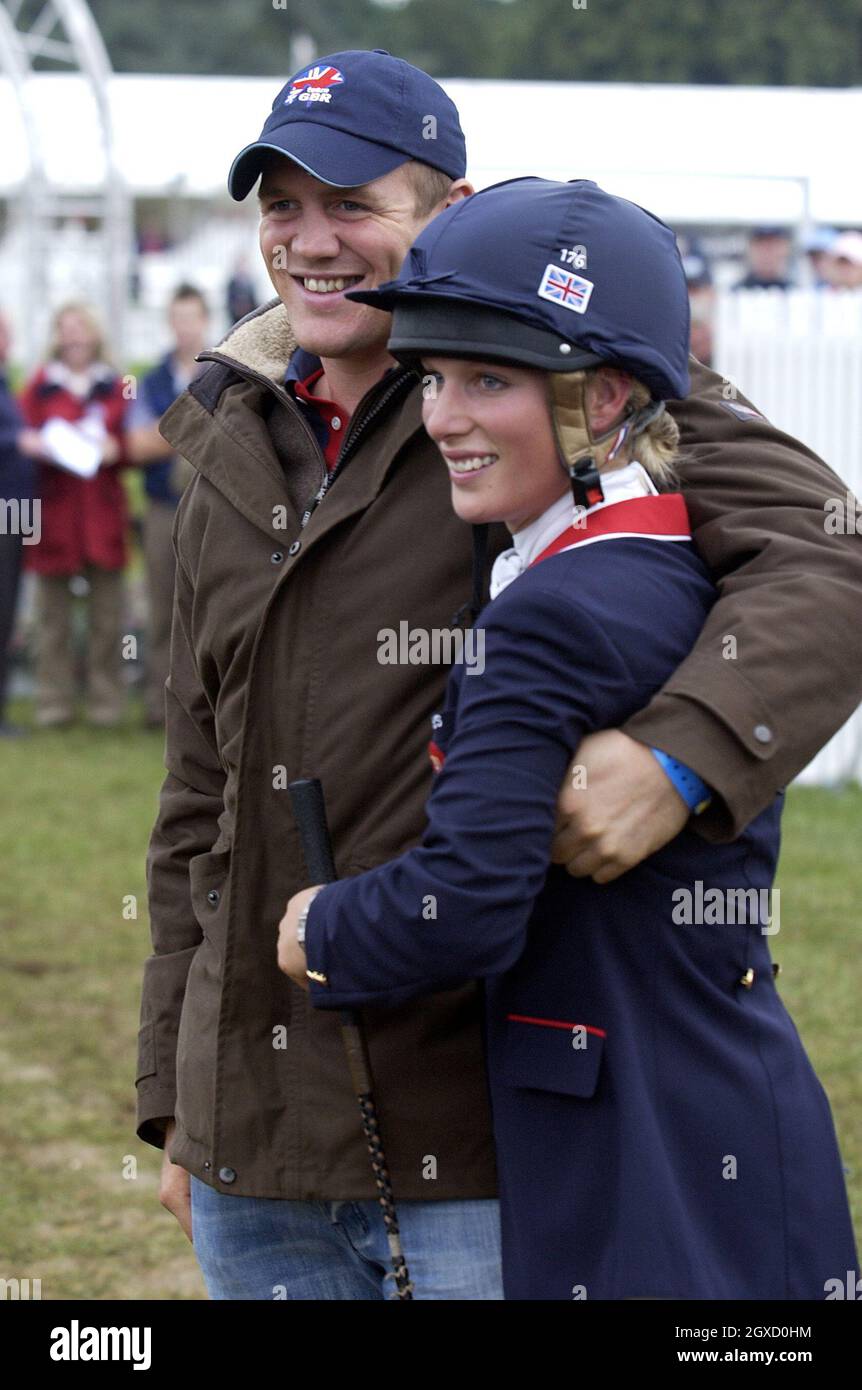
{"x": 701, "y": 298}
{"x": 818, "y": 246}
{"x": 768, "y": 260}
{"x": 165, "y": 476}
{"x": 18, "y": 446}
{"x": 846, "y": 258}
{"x": 83, "y": 522}
{"x": 151, "y": 239}
{"x": 241, "y": 294}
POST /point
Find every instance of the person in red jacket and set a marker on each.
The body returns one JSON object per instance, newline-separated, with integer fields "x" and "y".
{"x": 84, "y": 522}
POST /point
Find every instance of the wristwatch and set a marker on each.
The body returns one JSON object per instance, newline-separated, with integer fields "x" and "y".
{"x": 303, "y": 918}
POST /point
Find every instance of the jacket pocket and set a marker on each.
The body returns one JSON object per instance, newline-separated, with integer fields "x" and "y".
{"x": 544, "y": 1054}
{"x": 146, "y": 1052}
{"x": 208, "y": 878}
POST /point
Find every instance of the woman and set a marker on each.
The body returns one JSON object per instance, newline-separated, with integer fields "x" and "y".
{"x": 84, "y": 522}
{"x": 660, "y": 1131}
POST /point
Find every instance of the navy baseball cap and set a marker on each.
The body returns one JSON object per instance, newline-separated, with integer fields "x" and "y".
{"x": 552, "y": 275}
{"x": 354, "y": 116}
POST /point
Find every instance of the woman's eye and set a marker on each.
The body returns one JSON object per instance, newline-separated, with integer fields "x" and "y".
{"x": 492, "y": 383}
{"x": 350, "y": 206}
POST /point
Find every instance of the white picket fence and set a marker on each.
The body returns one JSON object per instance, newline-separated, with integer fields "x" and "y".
{"x": 797, "y": 356}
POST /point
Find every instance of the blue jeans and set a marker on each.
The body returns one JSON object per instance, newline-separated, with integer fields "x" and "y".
{"x": 270, "y": 1248}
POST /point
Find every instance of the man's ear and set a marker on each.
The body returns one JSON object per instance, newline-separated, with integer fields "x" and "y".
{"x": 459, "y": 189}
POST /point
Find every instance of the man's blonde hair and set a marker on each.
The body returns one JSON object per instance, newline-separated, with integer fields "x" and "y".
{"x": 430, "y": 186}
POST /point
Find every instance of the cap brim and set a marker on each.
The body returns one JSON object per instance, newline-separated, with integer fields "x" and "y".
{"x": 449, "y": 326}
{"x": 331, "y": 155}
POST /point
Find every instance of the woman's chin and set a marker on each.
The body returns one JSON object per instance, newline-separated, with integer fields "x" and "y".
{"x": 472, "y": 509}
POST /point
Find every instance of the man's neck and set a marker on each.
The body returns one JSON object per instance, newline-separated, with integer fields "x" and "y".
{"x": 346, "y": 379}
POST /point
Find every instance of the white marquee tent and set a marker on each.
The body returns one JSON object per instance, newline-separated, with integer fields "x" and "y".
{"x": 720, "y": 155}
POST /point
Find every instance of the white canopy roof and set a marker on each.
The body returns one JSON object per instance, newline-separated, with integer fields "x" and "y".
{"x": 728, "y": 155}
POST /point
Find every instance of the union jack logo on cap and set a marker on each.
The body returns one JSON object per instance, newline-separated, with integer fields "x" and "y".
{"x": 566, "y": 288}
{"x": 314, "y": 84}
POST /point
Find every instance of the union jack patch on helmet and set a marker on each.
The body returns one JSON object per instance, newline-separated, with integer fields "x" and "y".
{"x": 566, "y": 288}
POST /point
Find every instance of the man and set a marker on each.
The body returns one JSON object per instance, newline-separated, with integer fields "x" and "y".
{"x": 164, "y": 478}
{"x": 701, "y": 303}
{"x": 303, "y": 538}
{"x": 18, "y": 448}
{"x": 768, "y": 260}
{"x": 846, "y": 261}
{"x": 817, "y": 246}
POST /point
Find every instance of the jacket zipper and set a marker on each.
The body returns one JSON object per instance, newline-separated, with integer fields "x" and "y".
{"x": 355, "y": 430}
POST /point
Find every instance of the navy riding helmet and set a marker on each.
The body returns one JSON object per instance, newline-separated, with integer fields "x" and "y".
{"x": 558, "y": 276}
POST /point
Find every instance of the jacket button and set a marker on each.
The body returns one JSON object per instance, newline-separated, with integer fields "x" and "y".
{"x": 277, "y": 556}
{"x": 226, "y": 1175}
{"x": 295, "y": 548}
{"x": 207, "y": 1165}
{"x": 748, "y": 978}
{"x": 213, "y": 896}
{"x": 763, "y": 733}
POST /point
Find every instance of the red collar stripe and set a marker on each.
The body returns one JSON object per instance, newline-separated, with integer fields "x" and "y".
{"x": 663, "y": 517}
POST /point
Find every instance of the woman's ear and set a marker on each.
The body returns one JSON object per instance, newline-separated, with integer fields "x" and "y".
{"x": 608, "y": 391}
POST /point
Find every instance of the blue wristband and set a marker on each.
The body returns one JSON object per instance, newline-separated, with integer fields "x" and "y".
{"x": 693, "y": 790}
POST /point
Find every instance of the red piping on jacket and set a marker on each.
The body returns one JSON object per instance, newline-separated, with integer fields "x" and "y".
{"x": 556, "y": 1023}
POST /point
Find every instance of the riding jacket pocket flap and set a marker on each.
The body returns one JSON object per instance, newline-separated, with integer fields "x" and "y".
{"x": 544, "y": 1054}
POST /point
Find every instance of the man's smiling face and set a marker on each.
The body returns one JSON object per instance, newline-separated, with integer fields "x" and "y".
{"x": 318, "y": 241}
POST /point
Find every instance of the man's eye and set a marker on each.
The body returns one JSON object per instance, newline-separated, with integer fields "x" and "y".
{"x": 350, "y": 206}
{"x": 492, "y": 383}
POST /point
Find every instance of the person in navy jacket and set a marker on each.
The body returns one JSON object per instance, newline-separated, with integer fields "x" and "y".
{"x": 660, "y": 1130}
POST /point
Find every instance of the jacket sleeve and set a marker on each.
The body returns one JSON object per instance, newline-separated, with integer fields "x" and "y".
{"x": 29, "y": 404}
{"x": 190, "y": 803}
{"x": 746, "y": 709}
{"x": 457, "y": 906}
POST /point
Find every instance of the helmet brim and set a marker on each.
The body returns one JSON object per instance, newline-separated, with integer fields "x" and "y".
{"x": 450, "y": 326}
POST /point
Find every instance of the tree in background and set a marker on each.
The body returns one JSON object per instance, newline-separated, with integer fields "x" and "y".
{"x": 759, "y": 42}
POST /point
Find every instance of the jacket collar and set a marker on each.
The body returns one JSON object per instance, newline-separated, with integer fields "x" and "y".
{"x": 216, "y": 424}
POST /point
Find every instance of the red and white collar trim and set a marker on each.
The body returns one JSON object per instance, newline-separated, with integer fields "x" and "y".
{"x": 663, "y": 517}
{"x": 632, "y": 507}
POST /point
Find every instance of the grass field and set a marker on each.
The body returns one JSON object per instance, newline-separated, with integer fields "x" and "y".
{"x": 76, "y": 812}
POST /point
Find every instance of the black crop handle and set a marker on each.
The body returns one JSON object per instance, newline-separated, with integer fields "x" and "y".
{"x": 306, "y": 797}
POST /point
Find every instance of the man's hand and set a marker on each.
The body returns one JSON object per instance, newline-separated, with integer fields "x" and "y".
{"x": 291, "y": 956}
{"x": 175, "y": 1186}
{"x": 616, "y": 807}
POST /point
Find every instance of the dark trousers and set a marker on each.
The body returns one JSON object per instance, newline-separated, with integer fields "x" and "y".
{"x": 10, "y": 580}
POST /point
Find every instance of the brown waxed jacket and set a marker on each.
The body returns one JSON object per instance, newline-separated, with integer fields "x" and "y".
{"x": 275, "y": 675}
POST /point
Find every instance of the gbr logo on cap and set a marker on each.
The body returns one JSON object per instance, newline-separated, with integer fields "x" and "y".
{"x": 315, "y": 84}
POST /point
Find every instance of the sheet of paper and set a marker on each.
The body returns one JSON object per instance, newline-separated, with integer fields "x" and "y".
{"x": 77, "y": 448}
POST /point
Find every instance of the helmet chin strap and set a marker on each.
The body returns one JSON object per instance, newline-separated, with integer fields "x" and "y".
{"x": 581, "y": 453}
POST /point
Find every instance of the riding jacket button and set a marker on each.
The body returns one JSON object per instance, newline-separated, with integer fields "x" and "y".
{"x": 295, "y": 548}
{"x": 763, "y": 733}
{"x": 213, "y": 896}
{"x": 226, "y": 1175}
{"x": 277, "y": 556}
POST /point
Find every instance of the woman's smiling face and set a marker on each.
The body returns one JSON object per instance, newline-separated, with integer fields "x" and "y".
{"x": 492, "y": 424}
